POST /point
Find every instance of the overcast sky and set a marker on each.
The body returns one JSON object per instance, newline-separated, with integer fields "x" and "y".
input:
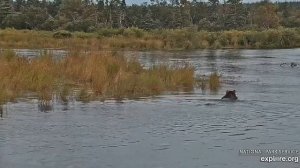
{"x": 129, "y": 2}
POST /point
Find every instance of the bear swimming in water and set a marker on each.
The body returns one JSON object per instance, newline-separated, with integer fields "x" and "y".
{"x": 292, "y": 64}
{"x": 230, "y": 94}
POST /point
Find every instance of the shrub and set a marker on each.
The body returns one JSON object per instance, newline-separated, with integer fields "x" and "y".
{"x": 62, "y": 34}
{"x": 110, "y": 32}
{"x": 134, "y": 32}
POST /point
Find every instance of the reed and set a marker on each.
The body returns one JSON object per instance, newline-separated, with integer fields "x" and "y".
{"x": 96, "y": 75}
{"x": 214, "y": 81}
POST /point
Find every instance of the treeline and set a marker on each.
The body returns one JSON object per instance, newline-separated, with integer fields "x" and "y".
{"x": 89, "y": 15}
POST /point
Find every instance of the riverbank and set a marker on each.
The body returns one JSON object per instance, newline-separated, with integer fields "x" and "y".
{"x": 137, "y": 39}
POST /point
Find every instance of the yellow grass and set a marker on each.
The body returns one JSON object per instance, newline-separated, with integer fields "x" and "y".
{"x": 136, "y": 39}
{"x": 212, "y": 82}
{"x": 95, "y": 75}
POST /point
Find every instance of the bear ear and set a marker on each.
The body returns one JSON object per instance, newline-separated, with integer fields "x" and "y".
{"x": 234, "y": 91}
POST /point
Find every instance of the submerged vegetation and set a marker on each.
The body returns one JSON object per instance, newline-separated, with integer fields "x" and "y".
{"x": 138, "y": 39}
{"x": 87, "y": 76}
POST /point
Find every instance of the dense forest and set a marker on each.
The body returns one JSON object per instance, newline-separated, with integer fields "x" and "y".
{"x": 89, "y": 15}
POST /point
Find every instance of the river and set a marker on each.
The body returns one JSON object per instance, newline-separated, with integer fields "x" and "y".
{"x": 173, "y": 130}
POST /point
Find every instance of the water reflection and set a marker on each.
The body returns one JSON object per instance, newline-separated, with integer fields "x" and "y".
{"x": 45, "y": 106}
{"x": 1, "y": 111}
{"x": 211, "y": 55}
{"x": 29, "y": 53}
{"x": 232, "y": 55}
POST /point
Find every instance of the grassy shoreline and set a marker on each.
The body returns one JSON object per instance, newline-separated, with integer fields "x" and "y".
{"x": 93, "y": 75}
{"x": 137, "y": 39}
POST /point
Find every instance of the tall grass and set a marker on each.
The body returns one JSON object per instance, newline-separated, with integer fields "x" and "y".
{"x": 137, "y": 39}
{"x": 87, "y": 76}
{"x": 213, "y": 82}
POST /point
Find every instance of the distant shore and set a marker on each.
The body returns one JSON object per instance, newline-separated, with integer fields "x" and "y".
{"x": 137, "y": 39}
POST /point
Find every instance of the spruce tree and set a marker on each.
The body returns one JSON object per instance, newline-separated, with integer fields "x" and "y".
{"x": 236, "y": 15}
{"x": 19, "y": 4}
{"x": 115, "y": 13}
{"x": 185, "y": 13}
{"x": 213, "y": 10}
{"x": 123, "y": 14}
{"x": 5, "y": 9}
{"x": 148, "y": 22}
